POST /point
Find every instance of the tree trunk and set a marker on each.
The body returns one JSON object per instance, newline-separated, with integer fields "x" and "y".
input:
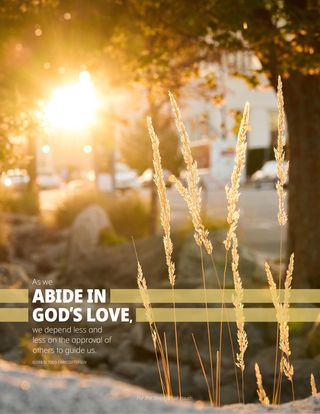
{"x": 153, "y": 110}
{"x": 153, "y": 209}
{"x": 32, "y": 172}
{"x": 301, "y": 94}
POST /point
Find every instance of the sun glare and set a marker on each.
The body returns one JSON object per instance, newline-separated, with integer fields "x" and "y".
{"x": 73, "y": 107}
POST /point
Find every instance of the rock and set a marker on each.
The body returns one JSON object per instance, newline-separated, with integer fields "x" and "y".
{"x": 28, "y": 266}
{"x": 189, "y": 266}
{"x": 14, "y": 355}
{"x": 302, "y": 369}
{"x": 9, "y": 337}
{"x": 12, "y": 275}
{"x": 51, "y": 256}
{"x": 186, "y": 378}
{"x": 299, "y": 347}
{"x": 5, "y": 252}
{"x": 313, "y": 341}
{"x": 131, "y": 370}
{"x": 149, "y": 378}
{"x": 116, "y": 266}
{"x": 123, "y": 353}
{"x": 26, "y": 234}
{"x": 140, "y": 336}
{"x": 97, "y": 359}
{"x": 85, "y": 232}
{"x": 26, "y": 390}
{"x": 200, "y": 385}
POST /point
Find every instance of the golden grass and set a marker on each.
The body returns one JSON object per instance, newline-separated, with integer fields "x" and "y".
{"x": 282, "y": 329}
{"x": 203, "y": 370}
{"x": 314, "y": 390}
{"x": 191, "y": 193}
{"x": 237, "y": 302}
{"x": 165, "y": 222}
{"x": 192, "y": 196}
{"x": 232, "y": 192}
{"x": 164, "y": 202}
{"x": 233, "y": 215}
{"x": 260, "y": 390}
{"x": 282, "y": 315}
{"x": 164, "y": 375}
{"x": 282, "y": 168}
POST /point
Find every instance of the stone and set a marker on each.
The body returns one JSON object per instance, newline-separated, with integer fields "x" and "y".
{"x": 51, "y": 256}
{"x": 189, "y": 265}
{"x": 26, "y": 234}
{"x": 124, "y": 352}
{"x": 9, "y": 337}
{"x": 186, "y": 379}
{"x": 116, "y": 266}
{"x": 200, "y": 385}
{"x": 313, "y": 341}
{"x": 26, "y": 390}
{"x": 85, "y": 232}
{"x": 131, "y": 370}
{"x": 149, "y": 378}
{"x": 12, "y": 275}
{"x": 302, "y": 369}
{"x": 98, "y": 359}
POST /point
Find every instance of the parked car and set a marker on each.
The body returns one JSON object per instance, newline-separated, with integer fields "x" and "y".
{"x": 267, "y": 174}
{"x": 125, "y": 177}
{"x": 80, "y": 185}
{"x": 16, "y": 179}
{"x": 146, "y": 178}
{"x": 49, "y": 181}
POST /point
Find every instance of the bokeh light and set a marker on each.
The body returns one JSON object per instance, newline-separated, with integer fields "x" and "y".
{"x": 45, "y": 149}
{"x": 87, "y": 149}
{"x": 73, "y": 107}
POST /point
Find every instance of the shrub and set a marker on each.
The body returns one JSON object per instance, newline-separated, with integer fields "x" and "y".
{"x": 127, "y": 212}
{"x": 129, "y": 215}
{"x": 71, "y": 206}
{"x": 24, "y": 202}
{"x": 109, "y": 237}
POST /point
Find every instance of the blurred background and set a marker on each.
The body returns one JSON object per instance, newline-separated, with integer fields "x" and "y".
{"x": 77, "y": 80}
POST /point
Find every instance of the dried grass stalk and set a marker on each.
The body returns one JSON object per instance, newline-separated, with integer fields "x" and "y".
{"x": 191, "y": 193}
{"x": 314, "y": 390}
{"x": 165, "y": 222}
{"x": 238, "y": 304}
{"x": 283, "y": 316}
{"x": 157, "y": 344}
{"x": 260, "y": 390}
{"x": 232, "y": 192}
{"x": 282, "y": 168}
{"x": 203, "y": 369}
{"x": 164, "y": 202}
{"x": 142, "y": 285}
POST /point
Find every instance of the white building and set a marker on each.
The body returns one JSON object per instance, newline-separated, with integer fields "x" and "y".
{"x": 216, "y": 123}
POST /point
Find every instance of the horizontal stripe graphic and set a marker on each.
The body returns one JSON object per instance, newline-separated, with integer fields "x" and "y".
{"x": 211, "y": 296}
{"x": 228, "y": 315}
{"x": 14, "y": 296}
{"x": 14, "y": 315}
